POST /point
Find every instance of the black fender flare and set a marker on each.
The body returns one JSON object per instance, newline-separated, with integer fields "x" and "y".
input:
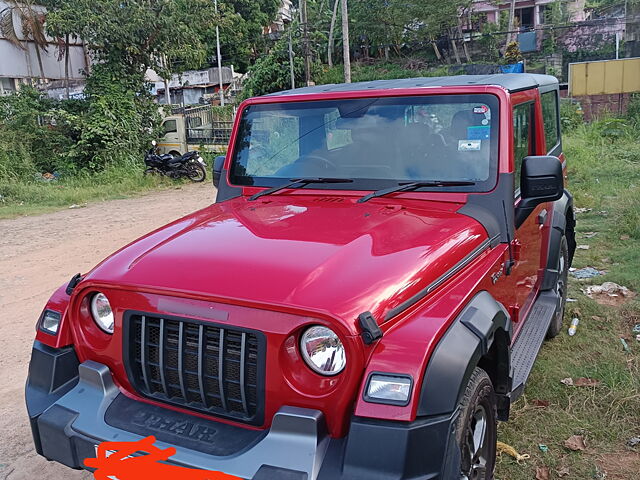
{"x": 562, "y": 223}
{"x": 482, "y": 323}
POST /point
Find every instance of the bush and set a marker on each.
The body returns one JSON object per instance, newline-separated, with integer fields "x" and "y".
{"x": 39, "y": 128}
{"x": 571, "y": 115}
{"x": 633, "y": 109}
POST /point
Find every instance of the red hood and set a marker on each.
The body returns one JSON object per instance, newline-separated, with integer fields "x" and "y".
{"x": 324, "y": 254}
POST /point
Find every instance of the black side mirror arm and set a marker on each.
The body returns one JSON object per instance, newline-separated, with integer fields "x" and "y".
{"x": 218, "y": 163}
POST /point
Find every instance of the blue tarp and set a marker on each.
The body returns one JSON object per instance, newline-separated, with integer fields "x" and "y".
{"x": 512, "y": 68}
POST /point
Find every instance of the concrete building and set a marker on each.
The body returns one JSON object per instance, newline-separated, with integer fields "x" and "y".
{"x": 529, "y": 13}
{"x": 19, "y": 54}
{"x": 195, "y": 86}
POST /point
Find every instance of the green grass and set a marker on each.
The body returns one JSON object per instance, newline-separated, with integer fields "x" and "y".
{"x": 603, "y": 176}
{"x": 22, "y": 197}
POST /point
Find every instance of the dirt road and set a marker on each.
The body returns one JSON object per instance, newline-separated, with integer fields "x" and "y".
{"x": 38, "y": 254}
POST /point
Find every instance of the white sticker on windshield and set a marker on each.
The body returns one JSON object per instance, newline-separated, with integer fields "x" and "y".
{"x": 469, "y": 145}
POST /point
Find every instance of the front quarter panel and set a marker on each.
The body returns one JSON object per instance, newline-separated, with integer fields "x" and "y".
{"x": 410, "y": 340}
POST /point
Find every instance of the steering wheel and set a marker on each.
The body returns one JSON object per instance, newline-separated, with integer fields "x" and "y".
{"x": 328, "y": 164}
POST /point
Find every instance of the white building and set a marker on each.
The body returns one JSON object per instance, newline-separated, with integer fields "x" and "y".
{"x": 19, "y": 58}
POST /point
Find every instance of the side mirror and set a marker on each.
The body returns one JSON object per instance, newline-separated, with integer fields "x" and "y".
{"x": 218, "y": 162}
{"x": 540, "y": 181}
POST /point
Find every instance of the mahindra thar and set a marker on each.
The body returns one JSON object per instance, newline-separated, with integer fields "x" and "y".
{"x": 364, "y": 300}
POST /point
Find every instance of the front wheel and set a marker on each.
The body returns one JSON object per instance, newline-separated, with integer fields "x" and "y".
{"x": 477, "y": 429}
{"x": 195, "y": 172}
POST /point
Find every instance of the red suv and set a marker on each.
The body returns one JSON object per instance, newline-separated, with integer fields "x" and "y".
{"x": 365, "y": 299}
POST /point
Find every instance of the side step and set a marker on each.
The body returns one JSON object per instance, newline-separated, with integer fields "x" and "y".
{"x": 527, "y": 345}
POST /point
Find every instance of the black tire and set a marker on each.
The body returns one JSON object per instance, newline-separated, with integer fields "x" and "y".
{"x": 561, "y": 288}
{"x": 477, "y": 428}
{"x": 195, "y": 172}
{"x": 150, "y": 171}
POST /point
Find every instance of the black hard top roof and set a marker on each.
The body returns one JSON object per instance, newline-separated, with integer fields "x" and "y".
{"x": 512, "y": 82}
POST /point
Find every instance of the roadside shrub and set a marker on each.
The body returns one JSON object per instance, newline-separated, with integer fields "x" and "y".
{"x": 571, "y": 114}
{"x": 15, "y": 157}
{"x": 38, "y": 127}
{"x": 118, "y": 125}
{"x": 633, "y": 109}
{"x": 627, "y": 218}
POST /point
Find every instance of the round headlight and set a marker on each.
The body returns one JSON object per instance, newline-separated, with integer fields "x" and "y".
{"x": 101, "y": 312}
{"x": 322, "y": 350}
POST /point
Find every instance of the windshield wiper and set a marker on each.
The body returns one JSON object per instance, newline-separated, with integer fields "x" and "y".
{"x": 412, "y": 186}
{"x": 302, "y": 182}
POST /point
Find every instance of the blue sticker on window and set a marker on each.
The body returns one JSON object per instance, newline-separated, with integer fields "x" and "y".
{"x": 480, "y": 132}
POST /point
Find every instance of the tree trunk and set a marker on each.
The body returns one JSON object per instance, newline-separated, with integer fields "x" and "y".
{"x": 464, "y": 44}
{"x": 436, "y": 51}
{"x": 345, "y": 42}
{"x": 87, "y": 59}
{"x": 167, "y": 94}
{"x": 307, "y": 53}
{"x": 454, "y": 47}
{"x": 331, "y": 31}
{"x": 66, "y": 65}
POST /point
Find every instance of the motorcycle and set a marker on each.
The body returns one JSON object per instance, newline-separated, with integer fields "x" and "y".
{"x": 190, "y": 165}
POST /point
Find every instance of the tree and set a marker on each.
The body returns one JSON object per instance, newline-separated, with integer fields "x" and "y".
{"x": 241, "y": 30}
{"x": 272, "y": 72}
{"x": 134, "y": 35}
{"x": 124, "y": 40}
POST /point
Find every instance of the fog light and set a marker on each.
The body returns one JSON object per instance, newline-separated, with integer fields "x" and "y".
{"x": 389, "y": 389}
{"x": 50, "y": 322}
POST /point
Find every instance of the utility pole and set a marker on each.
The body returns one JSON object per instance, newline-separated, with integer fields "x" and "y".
{"x": 221, "y": 88}
{"x": 512, "y": 14}
{"x": 345, "y": 42}
{"x": 331, "y": 28}
{"x": 305, "y": 33}
{"x": 293, "y": 77}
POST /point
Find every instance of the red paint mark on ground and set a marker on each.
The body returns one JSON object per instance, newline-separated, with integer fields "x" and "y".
{"x": 114, "y": 460}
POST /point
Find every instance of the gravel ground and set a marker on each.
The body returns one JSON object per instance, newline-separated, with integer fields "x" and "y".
{"x": 37, "y": 255}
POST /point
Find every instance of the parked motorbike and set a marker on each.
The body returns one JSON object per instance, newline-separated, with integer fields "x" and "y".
{"x": 190, "y": 165}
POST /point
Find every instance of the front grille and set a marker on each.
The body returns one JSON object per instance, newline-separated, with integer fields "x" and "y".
{"x": 199, "y": 365}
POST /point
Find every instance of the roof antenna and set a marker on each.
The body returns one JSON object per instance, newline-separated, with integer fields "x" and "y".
{"x": 511, "y": 262}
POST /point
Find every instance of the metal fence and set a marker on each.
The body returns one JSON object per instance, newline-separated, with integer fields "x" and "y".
{"x": 203, "y": 125}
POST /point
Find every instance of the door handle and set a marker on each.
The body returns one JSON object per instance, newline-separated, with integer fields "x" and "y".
{"x": 542, "y": 217}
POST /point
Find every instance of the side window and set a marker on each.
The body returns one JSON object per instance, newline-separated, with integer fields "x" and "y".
{"x": 523, "y": 138}
{"x": 170, "y": 126}
{"x": 550, "y": 118}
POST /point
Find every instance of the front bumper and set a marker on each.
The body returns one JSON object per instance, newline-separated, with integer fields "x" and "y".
{"x": 79, "y": 407}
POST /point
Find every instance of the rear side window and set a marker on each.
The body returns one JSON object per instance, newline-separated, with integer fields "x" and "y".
{"x": 550, "y": 118}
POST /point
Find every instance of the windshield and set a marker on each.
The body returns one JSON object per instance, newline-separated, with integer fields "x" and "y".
{"x": 376, "y": 142}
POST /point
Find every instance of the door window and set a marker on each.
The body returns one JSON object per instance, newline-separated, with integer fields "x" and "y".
{"x": 550, "y": 119}
{"x": 523, "y": 138}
